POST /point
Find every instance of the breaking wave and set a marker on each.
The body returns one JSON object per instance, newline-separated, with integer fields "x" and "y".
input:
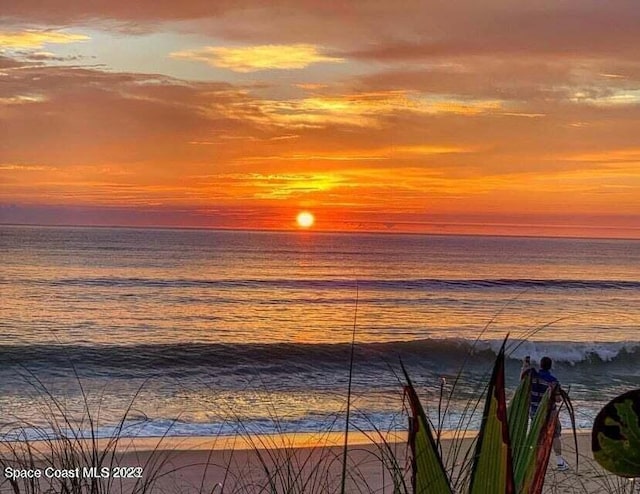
{"x": 292, "y": 357}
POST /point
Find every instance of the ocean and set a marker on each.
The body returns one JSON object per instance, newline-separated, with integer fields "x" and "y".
{"x": 201, "y": 332}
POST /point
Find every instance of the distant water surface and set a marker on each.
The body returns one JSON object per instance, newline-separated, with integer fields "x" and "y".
{"x": 219, "y": 325}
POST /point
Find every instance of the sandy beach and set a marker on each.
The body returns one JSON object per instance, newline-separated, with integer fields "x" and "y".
{"x": 303, "y": 463}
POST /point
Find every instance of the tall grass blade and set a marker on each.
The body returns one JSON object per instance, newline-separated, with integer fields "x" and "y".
{"x": 429, "y": 475}
{"x": 493, "y": 468}
{"x": 566, "y": 401}
{"x": 343, "y": 476}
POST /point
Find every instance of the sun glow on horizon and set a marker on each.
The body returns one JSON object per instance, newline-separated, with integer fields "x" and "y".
{"x": 305, "y": 219}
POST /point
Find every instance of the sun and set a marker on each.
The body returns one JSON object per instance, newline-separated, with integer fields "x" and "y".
{"x": 305, "y": 219}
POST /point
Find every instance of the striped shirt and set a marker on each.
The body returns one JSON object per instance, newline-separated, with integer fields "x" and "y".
{"x": 540, "y": 382}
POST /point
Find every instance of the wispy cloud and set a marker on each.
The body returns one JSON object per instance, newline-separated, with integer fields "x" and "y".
{"x": 283, "y": 186}
{"x": 14, "y": 167}
{"x": 255, "y": 58}
{"x": 366, "y": 109}
{"x": 612, "y": 98}
{"x": 627, "y": 155}
{"x": 21, "y": 99}
{"x": 374, "y": 154}
{"x": 37, "y": 39}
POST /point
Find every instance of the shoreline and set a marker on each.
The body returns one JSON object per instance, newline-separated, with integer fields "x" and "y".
{"x": 251, "y": 442}
{"x": 185, "y": 464}
{"x": 244, "y": 442}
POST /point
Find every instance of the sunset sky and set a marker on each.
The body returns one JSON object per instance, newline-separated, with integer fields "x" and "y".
{"x": 419, "y": 116}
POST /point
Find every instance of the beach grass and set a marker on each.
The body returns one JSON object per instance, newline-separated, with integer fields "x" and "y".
{"x": 70, "y": 450}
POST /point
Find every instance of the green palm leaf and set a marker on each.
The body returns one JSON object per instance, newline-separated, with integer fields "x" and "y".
{"x": 429, "y": 475}
{"x": 525, "y": 466}
{"x": 518, "y": 414}
{"x": 541, "y": 442}
{"x": 531, "y": 465}
{"x": 507, "y": 459}
{"x": 493, "y": 469}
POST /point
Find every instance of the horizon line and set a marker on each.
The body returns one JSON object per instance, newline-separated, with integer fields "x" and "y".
{"x": 332, "y": 232}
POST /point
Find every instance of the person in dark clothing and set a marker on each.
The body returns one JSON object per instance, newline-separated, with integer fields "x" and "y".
{"x": 541, "y": 380}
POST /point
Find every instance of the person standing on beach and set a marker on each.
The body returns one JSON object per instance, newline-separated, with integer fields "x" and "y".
{"x": 541, "y": 380}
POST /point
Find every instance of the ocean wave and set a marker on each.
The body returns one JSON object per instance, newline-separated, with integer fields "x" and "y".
{"x": 248, "y": 428}
{"x": 294, "y": 357}
{"x": 339, "y": 284}
{"x": 318, "y": 425}
{"x": 573, "y": 353}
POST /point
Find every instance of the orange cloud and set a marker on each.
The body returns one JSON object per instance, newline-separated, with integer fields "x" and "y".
{"x": 283, "y": 186}
{"x": 37, "y": 39}
{"x": 630, "y": 155}
{"x": 373, "y": 154}
{"x": 255, "y": 58}
{"x": 21, "y": 99}
{"x": 365, "y": 109}
{"x": 612, "y": 97}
